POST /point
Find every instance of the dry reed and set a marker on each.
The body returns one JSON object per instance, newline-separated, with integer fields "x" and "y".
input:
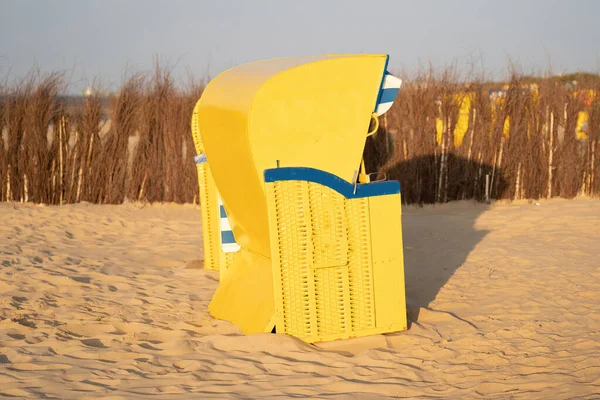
{"x": 138, "y": 146}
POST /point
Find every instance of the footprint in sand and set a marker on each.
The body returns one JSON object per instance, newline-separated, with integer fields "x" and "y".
{"x": 172, "y": 389}
{"x": 72, "y": 261}
{"x": 16, "y": 336}
{"x": 38, "y": 367}
{"x": 94, "y": 343}
{"x": 188, "y": 365}
{"x": 17, "y": 301}
{"x": 148, "y": 347}
{"x": 24, "y": 321}
{"x": 196, "y": 264}
{"x": 81, "y": 279}
{"x": 105, "y": 398}
{"x": 15, "y": 393}
{"x": 86, "y": 330}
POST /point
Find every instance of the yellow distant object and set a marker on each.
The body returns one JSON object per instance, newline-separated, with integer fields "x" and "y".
{"x": 292, "y": 119}
{"x": 582, "y": 126}
{"x": 464, "y": 100}
{"x": 464, "y": 113}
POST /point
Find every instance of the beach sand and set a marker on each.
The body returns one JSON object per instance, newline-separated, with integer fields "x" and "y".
{"x": 109, "y": 302}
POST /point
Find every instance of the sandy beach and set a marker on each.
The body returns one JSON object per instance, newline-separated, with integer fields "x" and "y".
{"x": 110, "y": 302}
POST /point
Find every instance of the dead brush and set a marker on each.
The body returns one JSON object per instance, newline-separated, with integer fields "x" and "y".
{"x": 150, "y": 170}
{"x": 591, "y": 178}
{"x": 86, "y": 165}
{"x": 422, "y": 123}
{"x": 4, "y": 182}
{"x": 16, "y": 113}
{"x": 189, "y": 172}
{"x": 523, "y": 143}
{"x": 413, "y": 125}
{"x": 521, "y": 146}
{"x": 42, "y": 164}
{"x": 124, "y": 121}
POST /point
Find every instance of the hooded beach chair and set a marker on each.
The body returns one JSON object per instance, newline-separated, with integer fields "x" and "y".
{"x": 320, "y": 247}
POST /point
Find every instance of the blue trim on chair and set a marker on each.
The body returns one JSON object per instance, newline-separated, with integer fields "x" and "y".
{"x": 332, "y": 181}
{"x": 227, "y": 237}
{"x": 388, "y": 95}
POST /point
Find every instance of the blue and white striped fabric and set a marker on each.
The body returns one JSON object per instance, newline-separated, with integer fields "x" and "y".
{"x": 387, "y": 93}
{"x": 200, "y": 158}
{"x": 228, "y": 243}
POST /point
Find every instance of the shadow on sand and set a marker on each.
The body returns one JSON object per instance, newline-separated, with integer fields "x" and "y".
{"x": 436, "y": 242}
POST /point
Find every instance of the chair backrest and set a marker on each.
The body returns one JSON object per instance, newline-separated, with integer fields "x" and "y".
{"x": 304, "y": 111}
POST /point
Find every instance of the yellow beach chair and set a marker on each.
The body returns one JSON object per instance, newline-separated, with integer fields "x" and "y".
{"x": 320, "y": 248}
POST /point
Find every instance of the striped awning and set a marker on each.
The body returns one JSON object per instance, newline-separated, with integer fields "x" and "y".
{"x": 387, "y": 94}
{"x": 228, "y": 243}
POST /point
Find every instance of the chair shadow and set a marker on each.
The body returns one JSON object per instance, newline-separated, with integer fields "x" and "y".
{"x": 437, "y": 241}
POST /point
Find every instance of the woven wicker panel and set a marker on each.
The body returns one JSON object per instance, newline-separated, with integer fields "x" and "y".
{"x": 322, "y": 263}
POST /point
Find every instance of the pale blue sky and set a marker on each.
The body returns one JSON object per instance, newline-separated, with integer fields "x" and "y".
{"x": 104, "y": 37}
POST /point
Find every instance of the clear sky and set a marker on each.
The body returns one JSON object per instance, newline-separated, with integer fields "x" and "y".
{"x": 104, "y": 38}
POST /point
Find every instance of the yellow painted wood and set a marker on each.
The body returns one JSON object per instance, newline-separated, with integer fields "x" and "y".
{"x": 338, "y": 269}
{"x": 388, "y": 262}
{"x": 248, "y": 301}
{"x": 214, "y": 257}
{"x": 210, "y": 217}
{"x": 286, "y": 112}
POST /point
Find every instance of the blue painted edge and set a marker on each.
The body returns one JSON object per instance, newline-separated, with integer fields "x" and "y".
{"x": 387, "y": 60}
{"x": 222, "y": 212}
{"x": 388, "y": 95}
{"x": 227, "y": 237}
{"x": 332, "y": 181}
